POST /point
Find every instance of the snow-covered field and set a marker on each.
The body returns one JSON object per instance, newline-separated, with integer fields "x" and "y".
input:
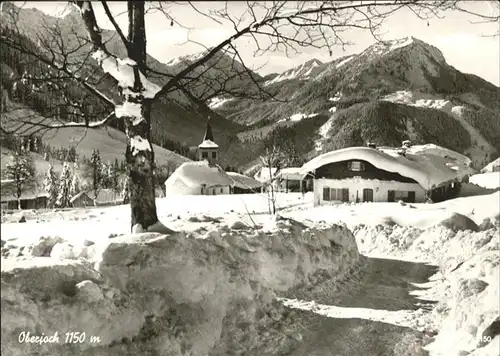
{"x": 465, "y": 286}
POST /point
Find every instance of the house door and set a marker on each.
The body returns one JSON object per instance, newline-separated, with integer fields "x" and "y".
{"x": 367, "y": 195}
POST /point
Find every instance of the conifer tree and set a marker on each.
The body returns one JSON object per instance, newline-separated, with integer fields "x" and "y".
{"x": 51, "y": 186}
{"x": 75, "y": 181}
{"x": 95, "y": 161}
{"x": 63, "y": 196}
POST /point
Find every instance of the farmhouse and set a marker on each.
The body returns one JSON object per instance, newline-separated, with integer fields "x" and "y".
{"x": 198, "y": 178}
{"x": 105, "y": 197}
{"x": 31, "y": 197}
{"x": 371, "y": 174}
{"x": 243, "y": 184}
{"x": 292, "y": 179}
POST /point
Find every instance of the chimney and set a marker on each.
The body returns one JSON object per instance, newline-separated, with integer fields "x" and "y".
{"x": 371, "y": 145}
{"x": 406, "y": 144}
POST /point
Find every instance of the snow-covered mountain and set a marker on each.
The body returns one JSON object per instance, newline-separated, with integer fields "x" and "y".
{"x": 301, "y": 72}
{"x": 391, "y": 91}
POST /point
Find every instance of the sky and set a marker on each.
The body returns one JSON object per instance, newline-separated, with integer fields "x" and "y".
{"x": 463, "y": 44}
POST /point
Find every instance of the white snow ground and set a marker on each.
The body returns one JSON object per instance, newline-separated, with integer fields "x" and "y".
{"x": 418, "y": 238}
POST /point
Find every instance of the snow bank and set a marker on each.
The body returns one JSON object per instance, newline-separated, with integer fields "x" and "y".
{"x": 210, "y": 292}
{"x": 466, "y": 285}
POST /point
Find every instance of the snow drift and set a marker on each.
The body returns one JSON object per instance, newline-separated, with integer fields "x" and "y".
{"x": 210, "y": 292}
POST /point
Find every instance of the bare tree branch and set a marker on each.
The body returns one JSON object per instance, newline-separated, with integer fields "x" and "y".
{"x": 115, "y": 24}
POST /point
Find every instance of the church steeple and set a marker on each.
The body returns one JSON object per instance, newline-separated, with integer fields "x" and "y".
{"x": 208, "y": 150}
{"x": 208, "y": 132}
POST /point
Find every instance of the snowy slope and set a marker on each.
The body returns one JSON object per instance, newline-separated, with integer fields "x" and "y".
{"x": 480, "y": 147}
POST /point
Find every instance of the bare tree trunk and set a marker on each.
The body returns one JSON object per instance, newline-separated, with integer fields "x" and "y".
{"x": 140, "y": 168}
{"x": 139, "y": 153}
{"x": 19, "y": 192}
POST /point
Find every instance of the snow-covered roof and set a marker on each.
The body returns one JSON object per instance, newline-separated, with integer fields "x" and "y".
{"x": 429, "y": 165}
{"x": 291, "y": 173}
{"x": 208, "y": 144}
{"x": 196, "y": 174}
{"x": 8, "y": 192}
{"x": 244, "y": 182}
{"x": 263, "y": 175}
{"x": 492, "y": 166}
{"x": 103, "y": 196}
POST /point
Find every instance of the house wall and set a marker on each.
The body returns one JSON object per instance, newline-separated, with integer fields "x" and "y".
{"x": 35, "y": 203}
{"x": 356, "y": 185}
{"x": 217, "y": 190}
{"x": 82, "y": 201}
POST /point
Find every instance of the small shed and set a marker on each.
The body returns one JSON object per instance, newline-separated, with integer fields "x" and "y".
{"x": 105, "y": 197}
{"x": 82, "y": 200}
{"x": 31, "y": 198}
{"x": 243, "y": 184}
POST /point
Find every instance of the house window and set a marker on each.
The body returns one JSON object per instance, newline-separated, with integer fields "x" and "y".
{"x": 214, "y": 154}
{"x": 335, "y": 194}
{"x": 397, "y": 195}
{"x": 221, "y": 190}
{"x": 356, "y": 166}
{"x": 204, "y": 155}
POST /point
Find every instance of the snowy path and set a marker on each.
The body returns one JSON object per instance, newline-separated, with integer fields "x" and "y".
{"x": 374, "y": 314}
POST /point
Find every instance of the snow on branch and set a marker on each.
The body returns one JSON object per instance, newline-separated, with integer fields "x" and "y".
{"x": 138, "y": 144}
{"x": 123, "y": 72}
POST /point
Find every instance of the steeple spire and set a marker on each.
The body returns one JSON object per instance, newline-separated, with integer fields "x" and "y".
{"x": 208, "y": 132}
